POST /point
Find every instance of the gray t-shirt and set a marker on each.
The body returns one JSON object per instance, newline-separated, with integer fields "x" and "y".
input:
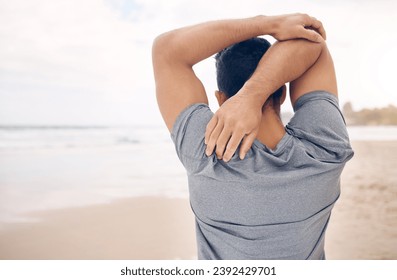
{"x": 274, "y": 204}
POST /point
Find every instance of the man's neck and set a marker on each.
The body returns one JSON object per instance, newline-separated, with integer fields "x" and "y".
{"x": 271, "y": 129}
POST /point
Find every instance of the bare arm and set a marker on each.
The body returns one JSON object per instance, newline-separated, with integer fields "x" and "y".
{"x": 320, "y": 76}
{"x": 239, "y": 116}
{"x": 175, "y": 52}
{"x": 308, "y": 66}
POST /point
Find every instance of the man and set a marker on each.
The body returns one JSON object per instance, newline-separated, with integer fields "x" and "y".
{"x": 271, "y": 199}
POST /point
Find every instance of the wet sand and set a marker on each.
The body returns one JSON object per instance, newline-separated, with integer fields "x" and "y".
{"x": 363, "y": 223}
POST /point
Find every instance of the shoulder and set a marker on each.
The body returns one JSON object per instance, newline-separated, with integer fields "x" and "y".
{"x": 319, "y": 124}
{"x": 188, "y": 133}
{"x": 197, "y": 114}
{"x": 319, "y": 106}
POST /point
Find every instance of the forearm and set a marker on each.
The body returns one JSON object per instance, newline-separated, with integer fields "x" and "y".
{"x": 190, "y": 45}
{"x": 283, "y": 62}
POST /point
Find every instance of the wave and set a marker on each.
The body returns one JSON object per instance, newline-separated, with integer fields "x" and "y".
{"x": 50, "y": 127}
{"x": 72, "y": 137}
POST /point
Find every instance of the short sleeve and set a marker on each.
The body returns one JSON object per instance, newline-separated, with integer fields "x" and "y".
{"x": 319, "y": 124}
{"x": 188, "y": 135}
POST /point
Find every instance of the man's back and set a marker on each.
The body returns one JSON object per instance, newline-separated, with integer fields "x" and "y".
{"x": 274, "y": 204}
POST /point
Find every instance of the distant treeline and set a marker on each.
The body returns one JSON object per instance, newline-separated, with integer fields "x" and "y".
{"x": 382, "y": 116}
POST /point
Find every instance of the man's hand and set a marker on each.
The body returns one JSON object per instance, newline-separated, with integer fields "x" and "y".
{"x": 227, "y": 128}
{"x": 297, "y": 26}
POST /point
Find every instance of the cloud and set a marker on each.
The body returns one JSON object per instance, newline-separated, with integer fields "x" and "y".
{"x": 90, "y": 61}
{"x": 62, "y": 49}
{"x": 68, "y": 44}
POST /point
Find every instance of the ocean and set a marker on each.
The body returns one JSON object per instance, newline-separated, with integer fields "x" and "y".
{"x": 50, "y": 167}
{"x": 46, "y": 167}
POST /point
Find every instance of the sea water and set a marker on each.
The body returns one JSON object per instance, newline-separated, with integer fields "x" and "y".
{"x": 44, "y": 168}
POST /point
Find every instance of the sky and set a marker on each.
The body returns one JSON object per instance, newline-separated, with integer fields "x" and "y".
{"x": 89, "y": 62}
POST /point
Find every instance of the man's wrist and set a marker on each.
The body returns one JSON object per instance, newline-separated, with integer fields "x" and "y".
{"x": 257, "y": 91}
{"x": 265, "y": 24}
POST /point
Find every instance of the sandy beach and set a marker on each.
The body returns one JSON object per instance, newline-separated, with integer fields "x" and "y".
{"x": 363, "y": 223}
{"x": 137, "y": 228}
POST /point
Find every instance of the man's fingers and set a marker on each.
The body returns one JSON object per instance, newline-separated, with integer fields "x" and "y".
{"x": 232, "y": 146}
{"x": 246, "y": 144}
{"x": 316, "y": 24}
{"x": 314, "y": 29}
{"x": 213, "y": 138}
{"x": 222, "y": 142}
{"x": 311, "y": 35}
{"x": 210, "y": 127}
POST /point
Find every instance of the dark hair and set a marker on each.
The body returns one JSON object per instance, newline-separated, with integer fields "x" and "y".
{"x": 236, "y": 64}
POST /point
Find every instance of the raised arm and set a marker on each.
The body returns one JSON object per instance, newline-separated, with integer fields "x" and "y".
{"x": 304, "y": 63}
{"x": 320, "y": 76}
{"x": 175, "y": 52}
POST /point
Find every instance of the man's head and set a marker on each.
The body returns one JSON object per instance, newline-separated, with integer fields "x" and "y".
{"x": 236, "y": 64}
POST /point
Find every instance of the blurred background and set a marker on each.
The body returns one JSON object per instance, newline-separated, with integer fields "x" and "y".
{"x": 87, "y": 167}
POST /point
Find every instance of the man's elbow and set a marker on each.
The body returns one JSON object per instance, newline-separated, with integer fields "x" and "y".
{"x": 316, "y": 49}
{"x": 163, "y": 46}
